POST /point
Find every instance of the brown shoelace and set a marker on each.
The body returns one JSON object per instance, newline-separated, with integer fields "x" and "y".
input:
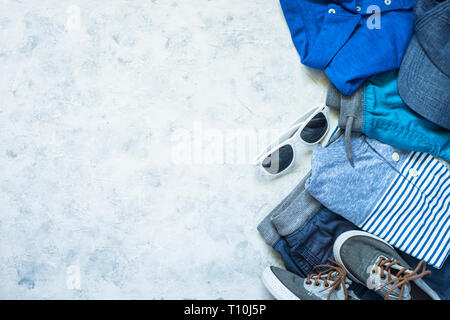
{"x": 325, "y": 276}
{"x": 401, "y": 278}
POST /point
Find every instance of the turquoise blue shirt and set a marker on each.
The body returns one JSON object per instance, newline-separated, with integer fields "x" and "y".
{"x": 387, "y": 118}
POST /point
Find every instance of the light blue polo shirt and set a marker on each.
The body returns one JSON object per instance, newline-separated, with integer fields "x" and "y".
{"x": 400, "y": 196}
{"x": 342, "y": 38}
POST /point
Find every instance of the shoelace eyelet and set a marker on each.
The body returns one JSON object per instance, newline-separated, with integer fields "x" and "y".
{"x": 336, "y": 270}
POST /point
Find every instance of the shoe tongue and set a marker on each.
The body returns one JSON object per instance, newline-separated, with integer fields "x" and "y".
{"x": 335, "y": 275}
{"x": 396, "y": 292}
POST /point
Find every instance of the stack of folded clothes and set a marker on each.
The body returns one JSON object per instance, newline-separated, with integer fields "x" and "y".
{"x": 371, "y": 220}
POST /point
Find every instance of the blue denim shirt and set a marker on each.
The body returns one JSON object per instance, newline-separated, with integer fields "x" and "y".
{"x": 335, "y": 37}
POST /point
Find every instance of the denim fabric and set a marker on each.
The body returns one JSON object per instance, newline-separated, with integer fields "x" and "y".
{"x": 303, "y": 232}
{"x": 400, "y": 196}
{"x": 438, "y": 280}
{"x": 312, "y": 245}
{"x": 335, "y": 36}
{"x": 388, "y": 119}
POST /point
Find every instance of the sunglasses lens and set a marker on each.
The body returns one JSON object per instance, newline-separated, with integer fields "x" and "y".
{"x": 315, "y": 129}
{"x": 279, "y": 160}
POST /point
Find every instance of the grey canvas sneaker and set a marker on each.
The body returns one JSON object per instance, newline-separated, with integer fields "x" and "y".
{"x": 329, "y": 284}
{"x": 374, "y": 263}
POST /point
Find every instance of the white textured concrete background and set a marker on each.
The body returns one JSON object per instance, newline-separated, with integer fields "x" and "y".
{"x": 92, "y": 203}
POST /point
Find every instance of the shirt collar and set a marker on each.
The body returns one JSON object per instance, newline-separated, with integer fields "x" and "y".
{"x": 361, "y": 6}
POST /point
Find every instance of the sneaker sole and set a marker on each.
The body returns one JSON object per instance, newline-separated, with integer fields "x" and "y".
{"x": 344, "y": 237}
{"x": 276, "y": 287}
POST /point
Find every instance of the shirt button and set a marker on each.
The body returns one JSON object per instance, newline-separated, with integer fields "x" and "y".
{"x": 334, "y": 11}
{"x": 358, "y": 8}
{"x": 387, "y": 2}
{"x": 395, "y": 156}
{"x": 413, "y": 172}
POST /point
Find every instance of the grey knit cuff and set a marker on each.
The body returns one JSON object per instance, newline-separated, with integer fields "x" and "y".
{"x": 290, "y": 215}
{"x": 267, "y": 230}
{"x": 352, "y": 107}
{"x": 333, "y": 100}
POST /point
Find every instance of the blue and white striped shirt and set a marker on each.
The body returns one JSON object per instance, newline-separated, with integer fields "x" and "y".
{"x": 400, "y": 196}
{"x": 412, "y": 215}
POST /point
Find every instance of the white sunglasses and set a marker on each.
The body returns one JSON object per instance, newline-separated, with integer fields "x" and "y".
{"x": 309, "y": 130}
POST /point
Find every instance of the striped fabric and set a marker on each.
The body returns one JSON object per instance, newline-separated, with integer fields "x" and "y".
{"x": 413, "y": 214}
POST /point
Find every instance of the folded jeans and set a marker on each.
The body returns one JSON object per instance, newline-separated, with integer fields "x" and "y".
{"x": 303, "y": 232}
